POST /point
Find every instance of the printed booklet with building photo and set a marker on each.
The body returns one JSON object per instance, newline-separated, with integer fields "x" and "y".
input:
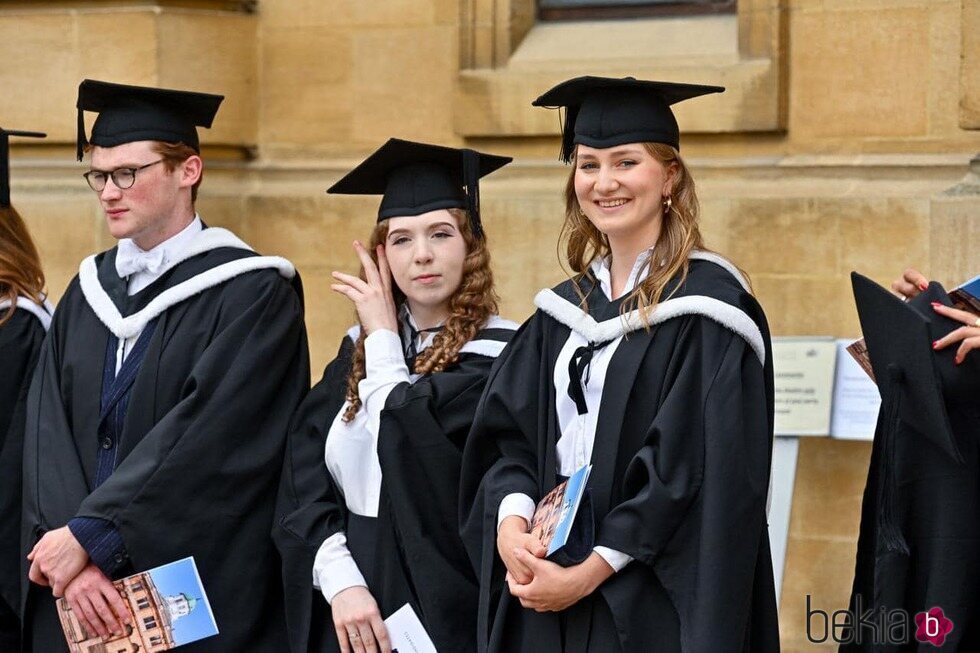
{"x": 168, "y": 607}
{"x": 552, "y": 520}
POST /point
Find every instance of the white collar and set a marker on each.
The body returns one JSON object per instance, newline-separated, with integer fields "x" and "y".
{"x": 202, "y": 241}
{"x": 131, "y": 259}
{"x": 603, "y": 274}
{"x": 408, "y": 325}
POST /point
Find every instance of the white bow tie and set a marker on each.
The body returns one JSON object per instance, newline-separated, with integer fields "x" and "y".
{"x": 130, "y": 259}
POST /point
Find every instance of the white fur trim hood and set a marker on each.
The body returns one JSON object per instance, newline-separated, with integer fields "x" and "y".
{"x": 206, "y": 240}
{"x": 43, "y": 312}
{"x": 730, "y": 317}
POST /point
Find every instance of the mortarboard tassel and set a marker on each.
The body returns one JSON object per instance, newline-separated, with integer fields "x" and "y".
{"x": 568, "y": 133}
{"x": 4, "y": 169}
{"x": 80, "y": 141}
{"x": 471, "y": 179}
{"x": 888, "y": 517}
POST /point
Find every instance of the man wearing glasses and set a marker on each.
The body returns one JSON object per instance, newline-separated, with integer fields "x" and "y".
{"x": 159, "y": 409}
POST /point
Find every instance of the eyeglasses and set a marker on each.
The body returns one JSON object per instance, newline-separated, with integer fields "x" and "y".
{"x": 123, "y": 178}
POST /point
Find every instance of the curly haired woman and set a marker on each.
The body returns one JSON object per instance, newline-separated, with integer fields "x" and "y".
{"x": 376, "y": 527}
{"x": 652, "y": 364}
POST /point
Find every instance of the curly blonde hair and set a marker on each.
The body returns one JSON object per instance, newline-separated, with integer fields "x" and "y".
{"x": 679, "y": 236}
{"x": 470, "y": 306}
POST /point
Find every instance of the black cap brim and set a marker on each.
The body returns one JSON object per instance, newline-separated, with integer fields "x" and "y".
{"x": 415, "y": 178}
{"x": 604, "y": 112}
{"x": 370, "y": 177}
{"x": 574, "y": 91}
{"x": 141, "y": 113}
{"x": 899, "y": 338}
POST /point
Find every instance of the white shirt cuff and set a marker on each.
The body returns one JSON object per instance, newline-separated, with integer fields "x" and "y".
{"x": 334, "y": 569}
{"x": 616, "y": 559}
{"x": 383, "y": 351}
{"x": 517, "y": 504}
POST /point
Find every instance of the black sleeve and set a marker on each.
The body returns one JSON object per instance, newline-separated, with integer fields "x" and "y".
{"x": 693, "y": 498}
{"x": 309, "y": 509}
{"x": 502, "y": 453}
{"x": 422, "y": 433}
{"x": 20, "y": 346}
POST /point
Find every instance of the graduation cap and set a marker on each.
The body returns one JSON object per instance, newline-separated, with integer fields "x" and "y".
{"x": 142, "y": 113}
{"x": 909, "y": 374}
{"x": 5, "y": 135}
{"x": 604, "y": 111}
{"x": 415, "y": 178}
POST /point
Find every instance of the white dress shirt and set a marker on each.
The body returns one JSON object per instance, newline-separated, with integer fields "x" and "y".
{"x": 163, "y": 257}
{"x": 351, "y": 452}
{"x": 574, "y": 447}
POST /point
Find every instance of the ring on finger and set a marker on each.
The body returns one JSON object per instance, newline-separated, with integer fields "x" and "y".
{"x": 353, "y": 634}
{"x": 976, "y": 323}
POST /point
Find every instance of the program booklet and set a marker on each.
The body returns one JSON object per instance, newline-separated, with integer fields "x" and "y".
{"x": 552, "y": 520}
{"x": 967, "y": 295}
{"x": 167, "y": 606}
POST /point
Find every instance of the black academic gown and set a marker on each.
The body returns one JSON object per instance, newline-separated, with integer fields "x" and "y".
{"x": 411, "y": 553}
{"x": 20, "y": 344}
{"x": 202, "y": 442}
{"x": 937, "y": 505}
{"x": 679, "y": 479}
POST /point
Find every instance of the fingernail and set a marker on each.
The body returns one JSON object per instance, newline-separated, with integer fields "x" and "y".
{"x": 923, "y": 286}
{"x": 958, "y": 360}
{"x": 935, "y": 304}
{"x": 935, "y": 344}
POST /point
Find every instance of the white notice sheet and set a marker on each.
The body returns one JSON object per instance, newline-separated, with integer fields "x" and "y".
{"x": 407, "y": 633}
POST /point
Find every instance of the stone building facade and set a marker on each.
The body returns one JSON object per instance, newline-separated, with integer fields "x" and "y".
{"x": 843, "y": 142}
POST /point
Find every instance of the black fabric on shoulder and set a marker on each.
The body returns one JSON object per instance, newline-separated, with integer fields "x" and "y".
{"x": 496, "y": 333}
{"x": 20, "y": 345}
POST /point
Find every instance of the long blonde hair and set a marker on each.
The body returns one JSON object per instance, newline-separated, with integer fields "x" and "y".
{"x": 469, "y": 308}
{"x": 20, "y": 265}
{"x": 679, "y": 236}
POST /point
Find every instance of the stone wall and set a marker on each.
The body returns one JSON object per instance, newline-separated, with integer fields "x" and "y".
{"x": 843, "y": 143}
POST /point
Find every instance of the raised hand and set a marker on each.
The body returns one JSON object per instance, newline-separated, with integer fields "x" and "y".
{"x": 372, "y": 296}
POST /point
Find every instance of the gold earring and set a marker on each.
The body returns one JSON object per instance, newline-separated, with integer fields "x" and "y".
{"x": 668, "y": 203}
